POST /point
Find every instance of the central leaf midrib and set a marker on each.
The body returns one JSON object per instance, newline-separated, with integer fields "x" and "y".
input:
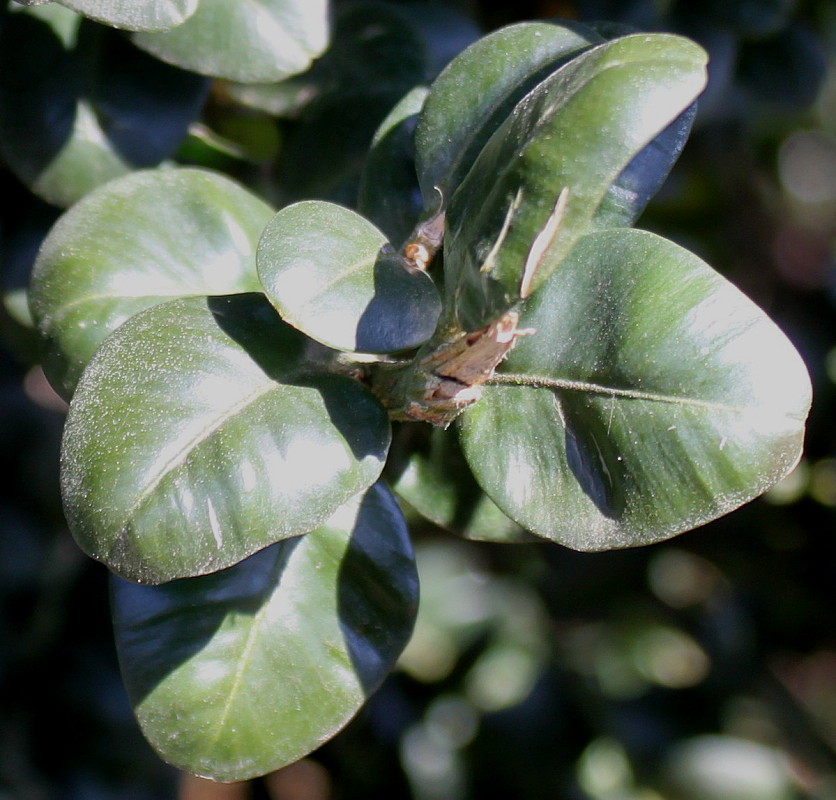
{"x": 548, "y": 382}
{"x": 344, "y": 275}
{"x": 182, "y": 456}
{"x": 243, "y": 662}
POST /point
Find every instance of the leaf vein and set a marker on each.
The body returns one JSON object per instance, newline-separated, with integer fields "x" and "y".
{"x": 565, "y": 384}
{"x": 188, "y": 448}
{"x": 238, "y": 679}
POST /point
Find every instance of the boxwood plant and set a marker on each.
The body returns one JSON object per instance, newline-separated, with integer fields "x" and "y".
{"x": 485, "y": 319}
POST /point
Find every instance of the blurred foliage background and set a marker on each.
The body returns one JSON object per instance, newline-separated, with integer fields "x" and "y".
{"x": 700, "y": 668}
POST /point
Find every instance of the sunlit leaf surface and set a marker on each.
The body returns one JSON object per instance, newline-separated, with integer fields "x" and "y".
{"x": 198, "y": 436}
{"x": 539, "y": 180}
{"x": 653, "y": 397}
{"x": 170, "y": 233}
{"x": 245, "y": 40}
{"x": 478, "y": 90}
{"x": 135, "y": 15}
{"x": 331, "y": 274}
{"x": 239, "y": 673}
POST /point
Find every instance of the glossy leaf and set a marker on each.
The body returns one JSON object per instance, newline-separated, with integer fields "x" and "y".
{"x": 135, "y": 15}
{"x": 245, "y": 40}
{"x": 653, "y": 397}
{"x": 376, "y": 48}
{"x": 426, "y": 468}
{"x": 375, "y": 59}
{"x": 239, "y": 673}
{"x": 285, "y": 99}
{"x": 639, "y": 181}
{"x": 475, "y": 93}
{"x": 389, "y": 195}
{"x": 328, "y": 272}
{"x": 546, "y": 47}
{"x": 196, "y": 438}
{"x": 207, "y": 149}
{"x": 541, "y": 177}
{"x": 141, "y": 240}
{"x": 79, "y": 105}
{"x": 373, "y": 50}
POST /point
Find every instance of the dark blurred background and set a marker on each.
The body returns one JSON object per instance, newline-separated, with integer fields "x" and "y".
{"x": 703, "y": 668}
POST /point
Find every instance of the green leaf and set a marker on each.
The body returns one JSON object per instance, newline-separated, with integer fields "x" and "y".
{"x": 376, "y": 48}
{"x": 141, "y": 240}
{"x": 327, "y": 271}
{"x": 475, "y": 93}
{"x": 538, "y": 182}
{"x": 389, "y": 195}
{"x": 639, "y": 181}
{"x": 239, "y": 673}
{"x": 198, "y": 436}
{"x": 135, "y": 15}
{"x": 653, "y": 397}
{"x": 376, "y": 57}
{"x": 245, "y": 40}
{"x": 80, "y": 105}
{"x": 426, "y": 468}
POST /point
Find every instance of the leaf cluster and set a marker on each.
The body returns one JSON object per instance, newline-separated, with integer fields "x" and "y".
{"x": 249, "y": 386}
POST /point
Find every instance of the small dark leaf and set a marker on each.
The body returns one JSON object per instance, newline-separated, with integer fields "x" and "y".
{"x": 427, "y": 469}
{"x": 326, "y": 270}
{"x": 389, "y": 194}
